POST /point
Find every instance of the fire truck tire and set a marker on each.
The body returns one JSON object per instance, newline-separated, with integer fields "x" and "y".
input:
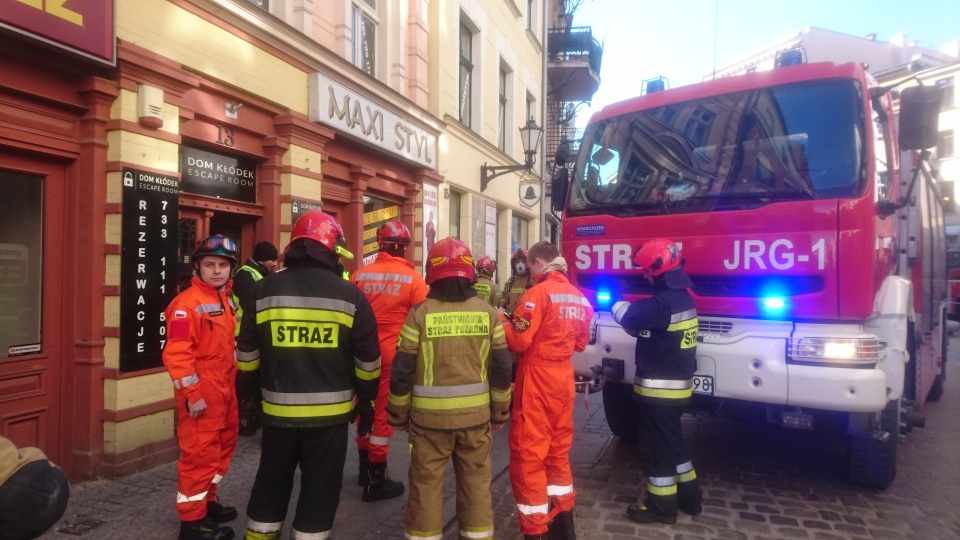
{"x": 936, "y": 391}
{"x": 873, "y": 462}
{"x": 620, "y": 410}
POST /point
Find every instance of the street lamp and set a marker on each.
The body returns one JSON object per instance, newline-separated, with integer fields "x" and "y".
{"x": 530, "y": 137}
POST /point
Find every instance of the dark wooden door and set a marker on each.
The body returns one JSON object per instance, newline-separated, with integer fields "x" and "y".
{"x": 32, "y": 363}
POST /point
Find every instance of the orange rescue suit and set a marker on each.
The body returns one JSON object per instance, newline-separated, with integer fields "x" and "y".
{"x": 393, "y": 287}
{"x": 200, "y": 356}
{"x": 549, "y": 323}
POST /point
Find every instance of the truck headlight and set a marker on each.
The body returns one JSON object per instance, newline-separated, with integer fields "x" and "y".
{"x": 835, "y": 350}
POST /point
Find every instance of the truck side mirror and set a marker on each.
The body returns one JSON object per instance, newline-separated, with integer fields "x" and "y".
{"x": 919, "y": 116}
{"x": 558, "y": 189}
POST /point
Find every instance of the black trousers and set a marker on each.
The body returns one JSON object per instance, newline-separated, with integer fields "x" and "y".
{"x": 664, "y": 455}
{"x": 320, "y": 453}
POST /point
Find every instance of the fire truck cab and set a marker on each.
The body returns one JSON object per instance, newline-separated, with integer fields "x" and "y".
{"x": 817, "y": 252}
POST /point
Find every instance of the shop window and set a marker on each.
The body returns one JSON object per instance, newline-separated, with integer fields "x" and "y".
{"x": 455, "y": 199}
{"x": 376, "y": 212}
{"x": 521, "y": 230}
{"x": 365, "y": 36}
{"x": 21, "y": 263}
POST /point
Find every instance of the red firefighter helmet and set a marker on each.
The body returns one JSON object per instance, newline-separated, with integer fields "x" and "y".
{"x": 216, "y": 245}
{"x": 486, "y": 265}
{"x": 520, "y": 254}
{"x": 449, "y": 258}
{"x": 657, "y": 256}
{"x": 393, "y": 232}
{"x": 317, "y": 226}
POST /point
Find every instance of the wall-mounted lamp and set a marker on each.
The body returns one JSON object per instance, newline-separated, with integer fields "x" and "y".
{"x": 530, "y": 137}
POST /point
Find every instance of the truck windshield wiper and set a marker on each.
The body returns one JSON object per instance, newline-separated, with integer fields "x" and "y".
{"x": 791, "y": 193}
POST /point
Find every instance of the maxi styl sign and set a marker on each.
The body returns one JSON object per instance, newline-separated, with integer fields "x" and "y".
{"x": 334, "y": 105}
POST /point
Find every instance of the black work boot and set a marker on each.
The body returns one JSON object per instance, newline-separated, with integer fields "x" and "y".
{"x": 219, "y": 512}
{"x": 692, "y": 509}
{"x": 363, "y": 477}
{"x": 642, "y": 514}
{"x": 561, "y": 528}
{"x": 535, "y": 537}
{"x": 204, "y": 529}
{"x": 380, "y": 486}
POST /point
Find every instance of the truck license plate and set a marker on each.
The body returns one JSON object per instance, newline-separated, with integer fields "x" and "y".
{"x": 703, "y": 384}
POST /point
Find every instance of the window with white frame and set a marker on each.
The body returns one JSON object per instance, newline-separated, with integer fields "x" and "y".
{"x": 945, "y": 146}
{"x": 364, "y": 21}
{"x": 530, "y": 15}
{"x": 531, "y": 110}
{"x": 946, "y": 92}
{"x": 502, "y": 112}
{"x": 466, "y": 75}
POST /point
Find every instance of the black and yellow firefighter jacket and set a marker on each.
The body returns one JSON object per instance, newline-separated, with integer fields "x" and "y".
{"x": 666, "y": 329}
{"x": 487, "y": 290}
{"x": 452, "y": 370}
{"x": 513, "y": 289}
{"x": 309, "y": 345}
{"x": 244, "y": 281}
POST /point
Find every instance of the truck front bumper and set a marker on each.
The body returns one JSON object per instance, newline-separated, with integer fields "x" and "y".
{"x": 749, "y": 362}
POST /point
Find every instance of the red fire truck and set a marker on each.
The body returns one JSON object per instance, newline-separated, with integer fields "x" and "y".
{"x": 818, "y": 263}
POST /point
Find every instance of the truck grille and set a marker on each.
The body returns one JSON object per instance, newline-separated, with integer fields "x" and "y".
{"x": 706, "y": 326}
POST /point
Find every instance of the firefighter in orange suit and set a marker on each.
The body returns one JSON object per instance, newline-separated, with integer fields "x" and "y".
{"x": 450, "y": 387}
{"x": 392, "y": 287}
{"x": 519, "y": 282}
{"x": 548, "y": 325}
{"x": 666, "y": 329}
{"x": 486, "y": 288}
{"x": 199, "y": 355}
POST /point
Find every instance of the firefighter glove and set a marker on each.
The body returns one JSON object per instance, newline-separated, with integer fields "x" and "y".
{"x": 249, "y": 417}
{"x": 619, "y": 310}
{"x": 363, "y": 415}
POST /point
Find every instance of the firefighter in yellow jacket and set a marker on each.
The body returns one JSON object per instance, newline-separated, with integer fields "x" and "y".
{"x": 450, "y": 386}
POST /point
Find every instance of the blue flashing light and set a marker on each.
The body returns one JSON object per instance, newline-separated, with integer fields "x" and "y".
{"x": 774, "y": 304}
{"x": 603, "y": 299}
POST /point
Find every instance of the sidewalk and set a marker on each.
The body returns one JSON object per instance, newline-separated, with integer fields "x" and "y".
{"x": 142, "y": 505}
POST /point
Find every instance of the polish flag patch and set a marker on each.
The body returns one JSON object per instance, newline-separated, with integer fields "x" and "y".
{"x": 179, "y": 314}
{"x": 529, "y": 306}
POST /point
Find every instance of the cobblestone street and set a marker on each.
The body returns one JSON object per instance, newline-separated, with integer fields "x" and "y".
{"x": 760, "y": 482}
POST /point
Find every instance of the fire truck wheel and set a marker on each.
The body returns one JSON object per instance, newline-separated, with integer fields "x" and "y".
{"x": 936, "y": 391}
{"x": 873, "y": 456}
{"x": 620, "y": 410}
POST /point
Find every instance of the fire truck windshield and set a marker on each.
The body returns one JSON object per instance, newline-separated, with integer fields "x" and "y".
{"x": 740, "y": 150}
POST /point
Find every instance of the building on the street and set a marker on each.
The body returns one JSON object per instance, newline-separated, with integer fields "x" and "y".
{"x": 820, "y": 45}
{"x": 131, "y": 129}
{"x": 487, "y": 71}
{"x": 574, "y": 57}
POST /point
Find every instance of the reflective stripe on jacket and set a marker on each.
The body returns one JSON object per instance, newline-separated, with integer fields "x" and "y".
{"x": 393, "y": 287}
{"x": 551, "y": 320}
{"x": 452, "y": 369}
{"x": 200, "y": 327}
{"x": 487, "y": 290}
{"x": 513, "y": 289}
{"x": 666, "y": 328}
{"x": 242, "y": 287}
{"x": 311, "y": 347}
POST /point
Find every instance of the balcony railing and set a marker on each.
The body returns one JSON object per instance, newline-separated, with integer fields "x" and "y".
{"x": 576, "y": 43}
